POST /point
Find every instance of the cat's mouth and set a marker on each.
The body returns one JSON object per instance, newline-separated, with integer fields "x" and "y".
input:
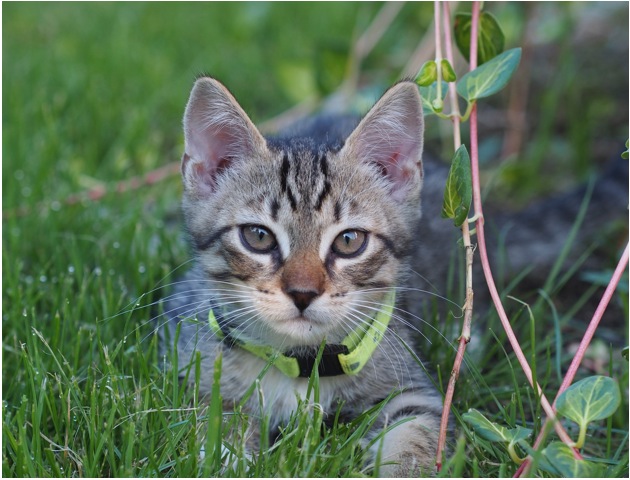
{"x": 303, "y": 318}
{"x": 302, "y": 330}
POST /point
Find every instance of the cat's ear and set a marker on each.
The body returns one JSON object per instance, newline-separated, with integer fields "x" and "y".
{"x": 391, "y": 136}
{"x": 217, "y": 132}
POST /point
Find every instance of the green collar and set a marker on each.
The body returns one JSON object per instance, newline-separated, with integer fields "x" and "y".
{"x": 348, "y": 358}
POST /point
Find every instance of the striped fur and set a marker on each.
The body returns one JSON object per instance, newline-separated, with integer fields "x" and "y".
{"x": 306, "y": 192}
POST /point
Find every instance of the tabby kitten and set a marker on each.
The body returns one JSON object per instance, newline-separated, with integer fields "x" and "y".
{"x": 304, "y": 239}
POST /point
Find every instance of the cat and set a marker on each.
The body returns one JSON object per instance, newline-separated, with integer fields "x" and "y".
{"x": 317, "y": 234}
{"x": 301, "y": 240}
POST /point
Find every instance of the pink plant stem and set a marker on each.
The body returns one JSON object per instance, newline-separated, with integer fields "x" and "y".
{"x": 592, "y": 327}
{"x": 586, "y": 340}
{"x": 483, "y": 253}
{"x": 96, "y": 193}
{"x": 474, "y": 33}
{"x": 465, "y": 336}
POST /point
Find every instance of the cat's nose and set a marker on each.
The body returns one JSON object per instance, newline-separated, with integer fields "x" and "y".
{"x": 303, "y": 278}
{"x": 302, "y": 299}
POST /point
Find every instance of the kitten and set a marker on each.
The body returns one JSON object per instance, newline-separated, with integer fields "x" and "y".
{"x": 299, "y": 240}
{"x": 316, "y": 235}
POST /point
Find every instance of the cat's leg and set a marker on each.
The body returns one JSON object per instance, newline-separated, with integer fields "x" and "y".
{"x": 409, "y": 449}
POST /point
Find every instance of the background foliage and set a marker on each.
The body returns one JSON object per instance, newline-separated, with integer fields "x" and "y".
{"x": 93, "y": 94}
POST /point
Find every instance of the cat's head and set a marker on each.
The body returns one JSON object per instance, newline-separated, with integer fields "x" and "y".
{"x": 301, "y": 240}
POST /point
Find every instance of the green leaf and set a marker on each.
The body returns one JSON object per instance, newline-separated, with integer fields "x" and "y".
{"x": 489, "y": 78}
{"x": 626, "y": 352}
{"x": 458, "y": 191}
{"x": 497, "y": 433}
{"x": 625, "y": 154}
{"x": 519, "y": 433}
{"x": 485, "y": 428}
{"x": 428, "y": 74}
{"x": 429, "y": 94}
{"x": 588, "y": 400}
{"x": 490, "y": 38}
{"x": 448, "y": 74}
{"x": 561, "y": 457}
{"x": 540, "y": 459}
{"x": 593, "y": 398}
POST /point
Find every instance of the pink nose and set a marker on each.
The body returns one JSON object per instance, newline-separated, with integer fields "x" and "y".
{"x": 303, "y": 278}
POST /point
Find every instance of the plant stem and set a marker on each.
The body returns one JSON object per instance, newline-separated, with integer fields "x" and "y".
{"x": 99, "y": 191}
{"x": 452, "y": 87}
{"x": 485, "y": 263}
{"x": 483, "y": 252}
{"x": 512, "y": 452}
{"x": 474, "y": 35}
{"x": 586, "y": 340}
{"x": 592, "y": 327}
{"x": 438, "y": 47}
{"x": 468, "y": 305}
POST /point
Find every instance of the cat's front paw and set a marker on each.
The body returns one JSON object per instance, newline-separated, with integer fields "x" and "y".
{"x": 409, "y": 449}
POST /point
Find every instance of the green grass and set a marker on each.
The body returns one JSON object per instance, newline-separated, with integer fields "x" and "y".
{"x": 93, "y": 95}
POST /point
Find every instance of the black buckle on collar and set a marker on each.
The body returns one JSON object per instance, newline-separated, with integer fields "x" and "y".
{"x": 329, "y": 365}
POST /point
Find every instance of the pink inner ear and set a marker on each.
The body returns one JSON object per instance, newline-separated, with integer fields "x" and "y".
{"x": 217, "y": 132}
{"x": 209, "y": 151}
{"x": 400, "y": 170}
{"x": 199, "y": 176}
{"x": 396, "y": 169}
{"x": 390, "y": 136}
{"x": 204, "y": 174}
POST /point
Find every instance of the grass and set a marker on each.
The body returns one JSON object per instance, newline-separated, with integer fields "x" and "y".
{"x": 93, "y": 94}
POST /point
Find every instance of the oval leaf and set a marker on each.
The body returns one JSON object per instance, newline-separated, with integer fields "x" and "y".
{"x": 540, "y": 459}
{"x": 429, "y": 94}
{"x": 593, "y": 398}
{"x": 485, "y": 428}
{"x": 489, "y": 78}
{"x": 461, "y": 29}
{"x": 490, "y": 38}
{"x": 428, "y": 74}
{"x": 448, "y": 74}
{"x": 561, "y": 457}
{"x": 519, "y": 433}
{"x": 458, "y": 191}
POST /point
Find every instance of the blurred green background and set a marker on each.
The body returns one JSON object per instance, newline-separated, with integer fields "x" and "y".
{"x": 96, "y": 91}
{"x": 93, "y": 95}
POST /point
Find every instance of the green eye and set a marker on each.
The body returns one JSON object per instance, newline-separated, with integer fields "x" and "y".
{"x": 258, "y": 239}
{"x": 350, "y": 243}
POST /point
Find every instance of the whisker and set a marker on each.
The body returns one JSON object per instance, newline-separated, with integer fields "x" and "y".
{"x": 136, "y": 303}
{"x": 411, "y": 289}
{"x": 368, "y": 304}
{"x": 358, "y": 315}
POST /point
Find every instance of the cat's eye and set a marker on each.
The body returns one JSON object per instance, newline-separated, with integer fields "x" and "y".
{"x": 258, "y": 239}
{"x": 350, "y": 243}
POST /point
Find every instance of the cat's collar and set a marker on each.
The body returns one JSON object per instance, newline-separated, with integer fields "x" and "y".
{"x": 348, "y": 357}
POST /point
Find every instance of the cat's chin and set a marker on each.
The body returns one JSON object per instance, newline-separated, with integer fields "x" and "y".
{"x": 300, "y": 332}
